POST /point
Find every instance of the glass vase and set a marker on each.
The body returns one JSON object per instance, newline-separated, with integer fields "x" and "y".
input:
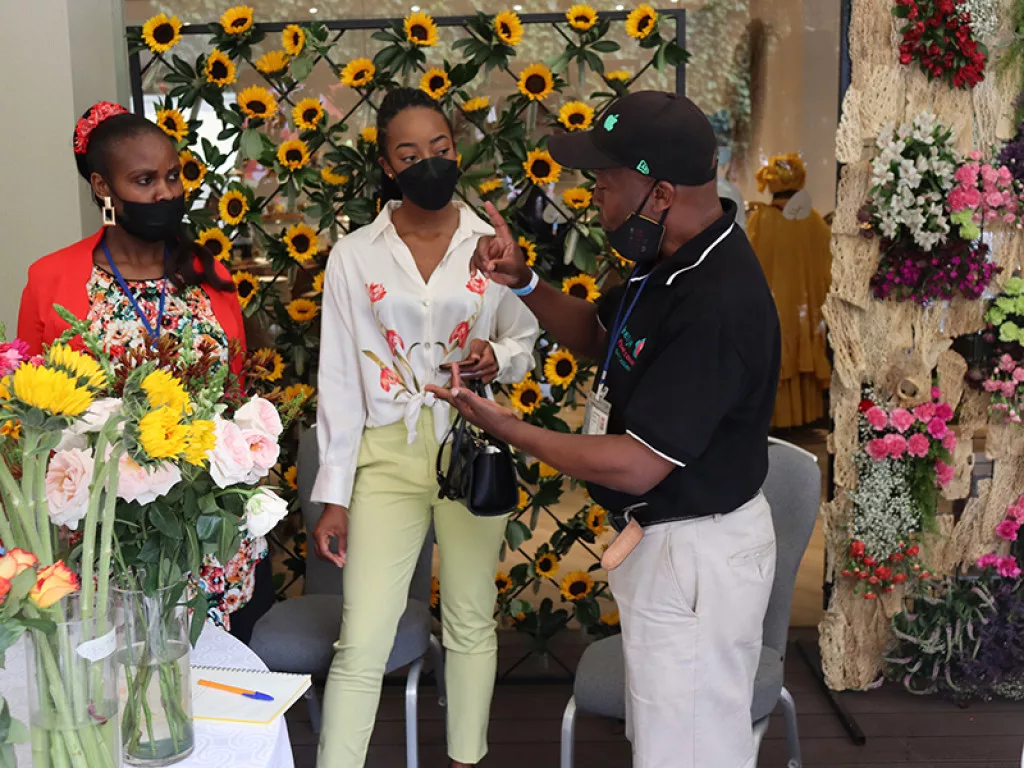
{"x": 72, "y": 684}
{"x": 156, "y": 719}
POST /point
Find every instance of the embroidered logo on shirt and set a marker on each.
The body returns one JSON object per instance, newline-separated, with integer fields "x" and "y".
{"x": 628, "y": 349}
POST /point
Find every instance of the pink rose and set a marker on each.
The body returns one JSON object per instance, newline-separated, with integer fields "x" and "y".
{"x": 1005, "y": 177}
{"x": 989, "y": 174}
{"x": 943, "y": 474}
{"x": 1008, "y": 568}
{"x": 966, "y": 174}
{"x": 1016, "y": 511}
{"x": 261, "y": 415}
{"x": 975, "y": 155}
{"x": 264, "y": 451}
{"x": 896, "y": 445}
{"x": 987, "y": 561}
{"x": 231, "y": 459}
{"x": 145, "y": 484}
{"x": 877, "y": 449}
{"x": 943, "y": 411}
{"x": 901, "y": 419}
{"x": 937, "y": 428}
{"x": 949, "y": 441}
{"x": 1018, "y": 374}
{"x": 918, "y": 445}
{"x": 925, "y": 412}
{"x": 1007, "y": 363}
{"x": 1007, "y": 529}
{"x": 991, "y": 385}
{"x": 972, "y": 198}
{"x": 876, "y": 418}
{"x": 1009, "y": 218}
{"x": 957, "y": 199}
{"x": 1009, "y": 388}
{"x": 67, "y": 486}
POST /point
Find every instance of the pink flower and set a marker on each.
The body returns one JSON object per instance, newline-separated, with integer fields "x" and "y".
{"x": 12, "y": 354}
{"x": 975, "y": 155}
{"x": 936, "y": 393}
{"x": 1009, "y": 387}
{"x": 937, "y": 428}
{"x": 943, "y": 411}
{"x": 264, "y": 451}
{"x": 388, "y": 379}
{"x": 145, "y": 484}
{"x": 1006, "y": 363}
{"x": 877, "y": 419}
{"x": 460, "y": 334}
{"x": 918, "y": 445}
{"x": 1016, "y": 511}
{"x": 261, "y": 415}
{"x": 1018, "y": 374}
{"x": 395, "y": 342}
{"x": 901, "y": 419}
{"x": 67, "y": 486}
{"x": 478, "y": 284}
{"x": 943, "y": 474}
{"x": 991, "y": 215}
{"x": 896, "y": 445}
{"x": 376, "y": 292}
{"x": 957, "y": 199}
{"x": 231, "y": 460}
{"x": 949, "y": 441}
{"x": 1005, "y": 177}
{"x": 1008, "y": 568}
{"x": 925, "y": 412}
{"x": 967, "y": 174}
{"x": 991, "y": 385}
{"x": 1009, "y": 218}
{"x": 989, "y": 174}
{"x": 987, "y": 561}
{"x": 1007, "y": 529}
{"x": 972, "y": 198}
{"x": 877, "y": 449}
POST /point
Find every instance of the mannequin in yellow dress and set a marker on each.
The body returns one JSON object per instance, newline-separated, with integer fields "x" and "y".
{"x": 793, "y": 243}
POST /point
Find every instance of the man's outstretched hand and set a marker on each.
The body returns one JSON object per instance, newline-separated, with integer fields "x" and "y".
{"x": 484, "y": 413}
{"x": 499, "y": 257}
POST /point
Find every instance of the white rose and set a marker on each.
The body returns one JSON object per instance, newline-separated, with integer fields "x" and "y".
{"x": 67, "y": 486}
{"x": 99, "y": 413}
{"x": 145, "y": 484}
{"x": 261, "y": 415}
{"x": 70, "y": 441}
{"x": 230, "y": 460}
{"x": 263, "y": 511}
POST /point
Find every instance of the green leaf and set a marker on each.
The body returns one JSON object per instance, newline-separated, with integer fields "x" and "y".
{"x": 18, "y": 733}
{"x": 587, "y": 612}
{"x": 660, "y": 59}
{"x": 165, "y": 521}
{"x": 46, "y": 626}
{"x": 387, "y": 56}
{"x": 251, "y": 145}
{"x": 384, "y": 37}
{"x": 10, "y": 633}
{"x": 302, "y": 66}
{"x": 516, "y": 533}
{"x": 605, "y": 46}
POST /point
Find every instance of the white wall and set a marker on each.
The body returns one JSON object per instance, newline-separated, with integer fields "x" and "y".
{"x": 59, "y": 57}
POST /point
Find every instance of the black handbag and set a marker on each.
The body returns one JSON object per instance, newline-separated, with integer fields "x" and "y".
{"x": 481, "y": 472}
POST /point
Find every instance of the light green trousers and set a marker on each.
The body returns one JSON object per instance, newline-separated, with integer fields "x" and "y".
{"x": 394, "y": 500}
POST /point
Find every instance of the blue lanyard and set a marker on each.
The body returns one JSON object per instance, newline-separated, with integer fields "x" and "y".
{"x": 153, "y": 335}
{"x": 617, "y": 328}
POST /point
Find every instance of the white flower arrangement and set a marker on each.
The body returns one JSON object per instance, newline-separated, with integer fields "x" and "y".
{"x": 984, "y": 17}
{"x": 910, "y": 180}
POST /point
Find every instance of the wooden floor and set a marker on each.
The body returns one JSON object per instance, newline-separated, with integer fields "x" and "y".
{"x": 901, "y": 729}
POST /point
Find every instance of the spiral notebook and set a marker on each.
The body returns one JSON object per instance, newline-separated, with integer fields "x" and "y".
{"x": 224, "y": 707}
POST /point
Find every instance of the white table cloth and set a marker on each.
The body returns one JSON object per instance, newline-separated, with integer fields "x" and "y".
{"x": 218, "y": 745}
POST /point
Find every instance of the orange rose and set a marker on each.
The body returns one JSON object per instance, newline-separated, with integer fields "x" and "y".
{"x": 16, "y": 561}
{"x": 55, "y": 582}
{"x": 5, "y": 587}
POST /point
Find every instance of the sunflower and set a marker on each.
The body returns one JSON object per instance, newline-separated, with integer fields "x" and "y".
{"x": 161, "y": 433}
{"x": 420, "y": 29}
{"x": 298, "y": 393}
{"x": 307, "y": 114}
{"x": 302, "y": 310}
{"x": 233, "y": 207}
{"x": 358, "y": 73}
{"x": 491, "y": 185}
{"x": 502, "y": 582}
{"x": 596, "y": 517}
{"x": 200, "y": 439}
{"x": 332, "y": 178}
{"x": 526, "y": 396}
{"x": 237, "y": 20}
{"x": 529, "y": 251}
{"x": 163, "y": 389}
{"x": 536, "y": 82}
{"x": 173, "y": 123}
{"x": 582, "y": 287}
{"x": 246, "y": 286}
{"x": 291, "y": 477}
{"x": 272, "y": 62}
{"x": 369, "y": 134}
{"x": 293, "y": 154}
{"x": 577, "y": 585}
{"x": 220, "y": 70}
{"x": 435, "y": 82}
{"x": 581, "y": 17}
{"x": 275, "y": 364}
{"x": 302, "y": 242}
{"x": 508, "y": 28}
{"x": 161, "y": 33}
{"x": 318, "y": 283}
{"x": 216, "y": 242}
{"x": 193, "y": 171}
{"x": 86, "y": 370}
{"x": 620, "y": 75}
{"x": 546, "y": 471}
{"x": 610, "y": 619}
{"x": 641, "y": 21}
{"x": 12, "y": 429}
{"x": 546, "y": 564}
{"x": 293, "y": 39}
{"x": 577, "y": 198}
{"x": 560, "y": 368}
{"x": 55, "y": 392}
{"x": 478, "y": 104}
{"x": 541, "y": 168}
{"x": 576, "y": 116}
{"x": 257, "y": 102}
{"x": 524, "y": 499}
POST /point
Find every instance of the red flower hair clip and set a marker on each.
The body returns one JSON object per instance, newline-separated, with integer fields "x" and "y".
{"x": 100, "y": 112}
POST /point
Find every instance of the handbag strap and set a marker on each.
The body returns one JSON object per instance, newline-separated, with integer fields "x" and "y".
{"x": 457, "y": 433}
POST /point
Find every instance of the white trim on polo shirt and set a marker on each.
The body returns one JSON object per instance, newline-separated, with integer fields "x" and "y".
{"x": 707, "y": 250}
{"x": 649, "y": 447}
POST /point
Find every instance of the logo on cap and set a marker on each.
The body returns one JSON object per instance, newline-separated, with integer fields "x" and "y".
{"x": 610, "y": 121}
{"x": 642, "y": 167}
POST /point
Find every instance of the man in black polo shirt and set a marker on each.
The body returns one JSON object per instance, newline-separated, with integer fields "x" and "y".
{"x": 675, "y": 435}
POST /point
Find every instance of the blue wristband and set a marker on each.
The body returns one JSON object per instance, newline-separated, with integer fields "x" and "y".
{"x": 527, "y": 289}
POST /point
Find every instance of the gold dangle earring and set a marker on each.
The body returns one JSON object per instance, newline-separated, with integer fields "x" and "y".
{"x": 109, "y": 218}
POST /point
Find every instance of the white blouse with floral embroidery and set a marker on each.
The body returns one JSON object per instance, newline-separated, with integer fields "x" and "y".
{"x": 385, "y": 333}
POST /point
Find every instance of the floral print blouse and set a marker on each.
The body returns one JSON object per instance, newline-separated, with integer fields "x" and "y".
{"x": 112, "y": 317}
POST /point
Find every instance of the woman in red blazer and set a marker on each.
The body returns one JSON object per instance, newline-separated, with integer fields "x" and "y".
{"x": 137, "y": 278}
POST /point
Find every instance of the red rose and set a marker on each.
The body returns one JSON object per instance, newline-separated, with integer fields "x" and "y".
{"x": 869, "y": 562}
{"x": 844, "y": 573}
{"x": 873, "y": 580}
{"x": 899, "y": 578}
{"x": 862, "y": 575}
{"x": 914, "y": 551}
{"x": 905, "y": 57}
{"x": 883, "y": 573}
{"x": 857, "y": 548}
{"x": 870, "y": 596}
{"x": 866, "y": 405}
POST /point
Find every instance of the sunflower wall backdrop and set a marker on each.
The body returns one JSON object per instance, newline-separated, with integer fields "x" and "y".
{"x": 274, "y": 123}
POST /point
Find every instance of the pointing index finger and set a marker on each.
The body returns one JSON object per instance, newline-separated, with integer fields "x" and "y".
{"x": 502, "y": 232}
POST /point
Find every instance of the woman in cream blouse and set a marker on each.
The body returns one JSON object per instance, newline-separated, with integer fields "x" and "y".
{"x": 399, "y": 305}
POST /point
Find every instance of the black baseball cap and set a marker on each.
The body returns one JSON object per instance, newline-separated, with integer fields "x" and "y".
{"x": 662, "y": 135}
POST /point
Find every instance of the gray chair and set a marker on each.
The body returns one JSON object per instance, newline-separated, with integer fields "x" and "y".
{"x": 298, "y": 635}
{"x": 793, "y": 489}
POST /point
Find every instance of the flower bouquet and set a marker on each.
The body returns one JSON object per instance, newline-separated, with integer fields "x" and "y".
{"x": 905, "y": 458}
{"x": 983, "y": 194}
{"x": 1001, "y": 374}
{"x": 938, "y": 35}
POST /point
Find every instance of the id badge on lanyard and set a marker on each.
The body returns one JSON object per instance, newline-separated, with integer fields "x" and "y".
{"x": 598, "y": 412}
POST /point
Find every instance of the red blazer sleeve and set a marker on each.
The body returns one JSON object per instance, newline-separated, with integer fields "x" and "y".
{"x": 31, "y": 325}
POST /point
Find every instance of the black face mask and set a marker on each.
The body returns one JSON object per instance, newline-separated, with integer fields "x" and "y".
{"x": 153, "y": 222}
{"x": 638, "y": 238}
{"x": 430, "y": 183}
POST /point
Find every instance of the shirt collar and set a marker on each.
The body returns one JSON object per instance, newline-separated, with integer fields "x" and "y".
{"x": 694, "y": 251}
{"x": 469, "y": 222}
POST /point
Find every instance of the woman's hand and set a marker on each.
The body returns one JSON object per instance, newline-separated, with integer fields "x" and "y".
{"x": 333, "y": 523}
